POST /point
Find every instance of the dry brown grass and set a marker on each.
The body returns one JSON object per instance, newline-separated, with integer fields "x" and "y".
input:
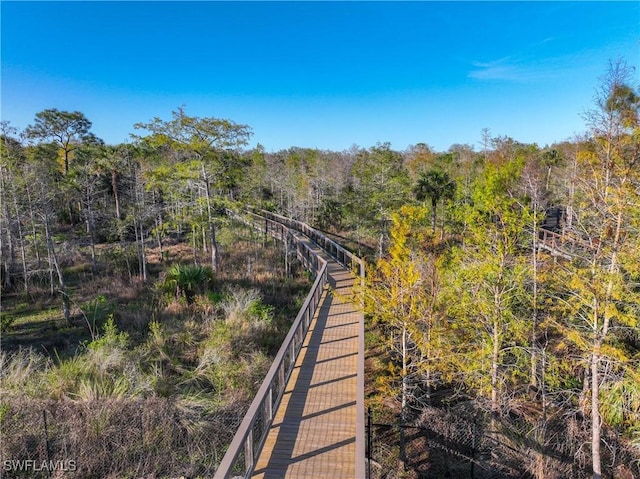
{"x": 147, "y": 437}
{"x": 168, "y": 405}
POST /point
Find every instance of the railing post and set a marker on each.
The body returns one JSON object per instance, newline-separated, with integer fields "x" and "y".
{"x": 248, "y": 451}
{"x": 266, "y": 232}
{"x": 283, "y": 386}
{"x": 292, "y": 352}
{"x": 269, "y": 405}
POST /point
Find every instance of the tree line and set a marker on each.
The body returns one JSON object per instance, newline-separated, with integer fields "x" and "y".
{"x": 460, "y": 286}
{"x": 544, "y": 338}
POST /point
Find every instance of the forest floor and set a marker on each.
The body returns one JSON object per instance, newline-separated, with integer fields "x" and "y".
{"x": 35, "y": 319}
{"x": 175, "y": 374}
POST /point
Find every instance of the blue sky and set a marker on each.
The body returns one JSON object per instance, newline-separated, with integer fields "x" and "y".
{"x": 319, "y": 74}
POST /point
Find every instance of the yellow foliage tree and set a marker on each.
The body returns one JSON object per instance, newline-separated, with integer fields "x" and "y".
{"x": 598, "y": 295}
{"x": 400, "y": 296}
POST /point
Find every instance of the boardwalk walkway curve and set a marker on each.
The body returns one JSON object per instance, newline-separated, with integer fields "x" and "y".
{"x": 307, "y": 419}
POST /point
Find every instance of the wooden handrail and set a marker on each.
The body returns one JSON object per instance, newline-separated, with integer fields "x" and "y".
{"x": 251, "y": 434}
{"x": 352, "y": 262}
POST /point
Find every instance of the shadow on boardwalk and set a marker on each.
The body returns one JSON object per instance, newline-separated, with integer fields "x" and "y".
{"x": 314, "y": 430}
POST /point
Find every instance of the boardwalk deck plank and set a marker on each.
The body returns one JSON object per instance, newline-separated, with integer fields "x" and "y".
{"x": 313, "y": 434}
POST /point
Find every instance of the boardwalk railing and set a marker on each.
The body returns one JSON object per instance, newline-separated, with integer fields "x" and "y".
{"x": 567, "y": 246}
{"x": 355, "y": 264}
{"x": 240, "y": 458}
{"x": 248, "y": 441}
{"x": 341, "y": 255}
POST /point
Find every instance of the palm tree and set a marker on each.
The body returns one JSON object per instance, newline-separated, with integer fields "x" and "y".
{"x": 187, "y": 280}
{"x": 434, "y": 184}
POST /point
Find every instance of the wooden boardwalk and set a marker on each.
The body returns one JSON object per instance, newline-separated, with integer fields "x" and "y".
{"x": 314, "y": 430}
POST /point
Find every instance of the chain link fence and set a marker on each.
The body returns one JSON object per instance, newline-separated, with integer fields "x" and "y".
{"x": 114, "y": 438}
{"x": 466, "y": 442}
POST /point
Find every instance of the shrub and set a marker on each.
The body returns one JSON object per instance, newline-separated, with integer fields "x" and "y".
{"x": 260, "y": 311}
{"x": 237, "y": 303}
{"x": 188, "y": 280}
{"x": 63, "y": 380}
{"x": 6, "y": 321}
{"x": 111, "y": 337}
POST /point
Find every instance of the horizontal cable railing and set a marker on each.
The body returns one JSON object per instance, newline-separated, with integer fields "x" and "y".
{"x": 240, "y": 459}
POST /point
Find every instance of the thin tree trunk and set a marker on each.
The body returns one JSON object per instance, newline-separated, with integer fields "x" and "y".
{"x": 204, "y": 240}
{"x": 596, "y": 425}
{"x": 144, "y": 258}
{"x": 427, "y": 372}
{"x": 126, "y": 259}
{"x": 548, "y": 180}
{"x": 8, "y": 265}
{"x": 214, "y": 245}
{"x": 143, "y": 255}
{"x": 405, "y": 393}
{"x": 596, "y": 420}
{"x": 61, "y": 283}
{"x": 434, "y": 213}
{"x": 286, "y": 257}
{"x": 541, "y": 431}
{"x": 494, "y": 368}
{"x": 33, "y": 227}
{"x": 495, "y": 357}
{"x": 50, "y": 262}
{"x": 135, "y": 232}
{"x": 90, "y": 229}
{"x": 533, "y": 378}
{"x": 69, "y": 211}
{"x": 139, "y": 192}
{"x": 23, "y": 253}
{"x": 158, "y": 237}
{"x": 212, "y": 231}
{"x": 194, "y": 242}
{"x": 66, "y": 158}
{"x": 114, "y": 189}
{"x": 443, "y": 220}
{"x": 568, "y": 223}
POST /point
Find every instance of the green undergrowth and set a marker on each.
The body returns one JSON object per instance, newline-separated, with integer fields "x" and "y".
{"x": 186, "y": 333}
{"x": 173, "y": 362}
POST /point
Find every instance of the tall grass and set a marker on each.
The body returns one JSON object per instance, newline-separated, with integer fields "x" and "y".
{"x": 238, "y": 304}
{"x": 115, "y": 438}
{"x": 21, "y": 371}
{"x": 162, "y": 399}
